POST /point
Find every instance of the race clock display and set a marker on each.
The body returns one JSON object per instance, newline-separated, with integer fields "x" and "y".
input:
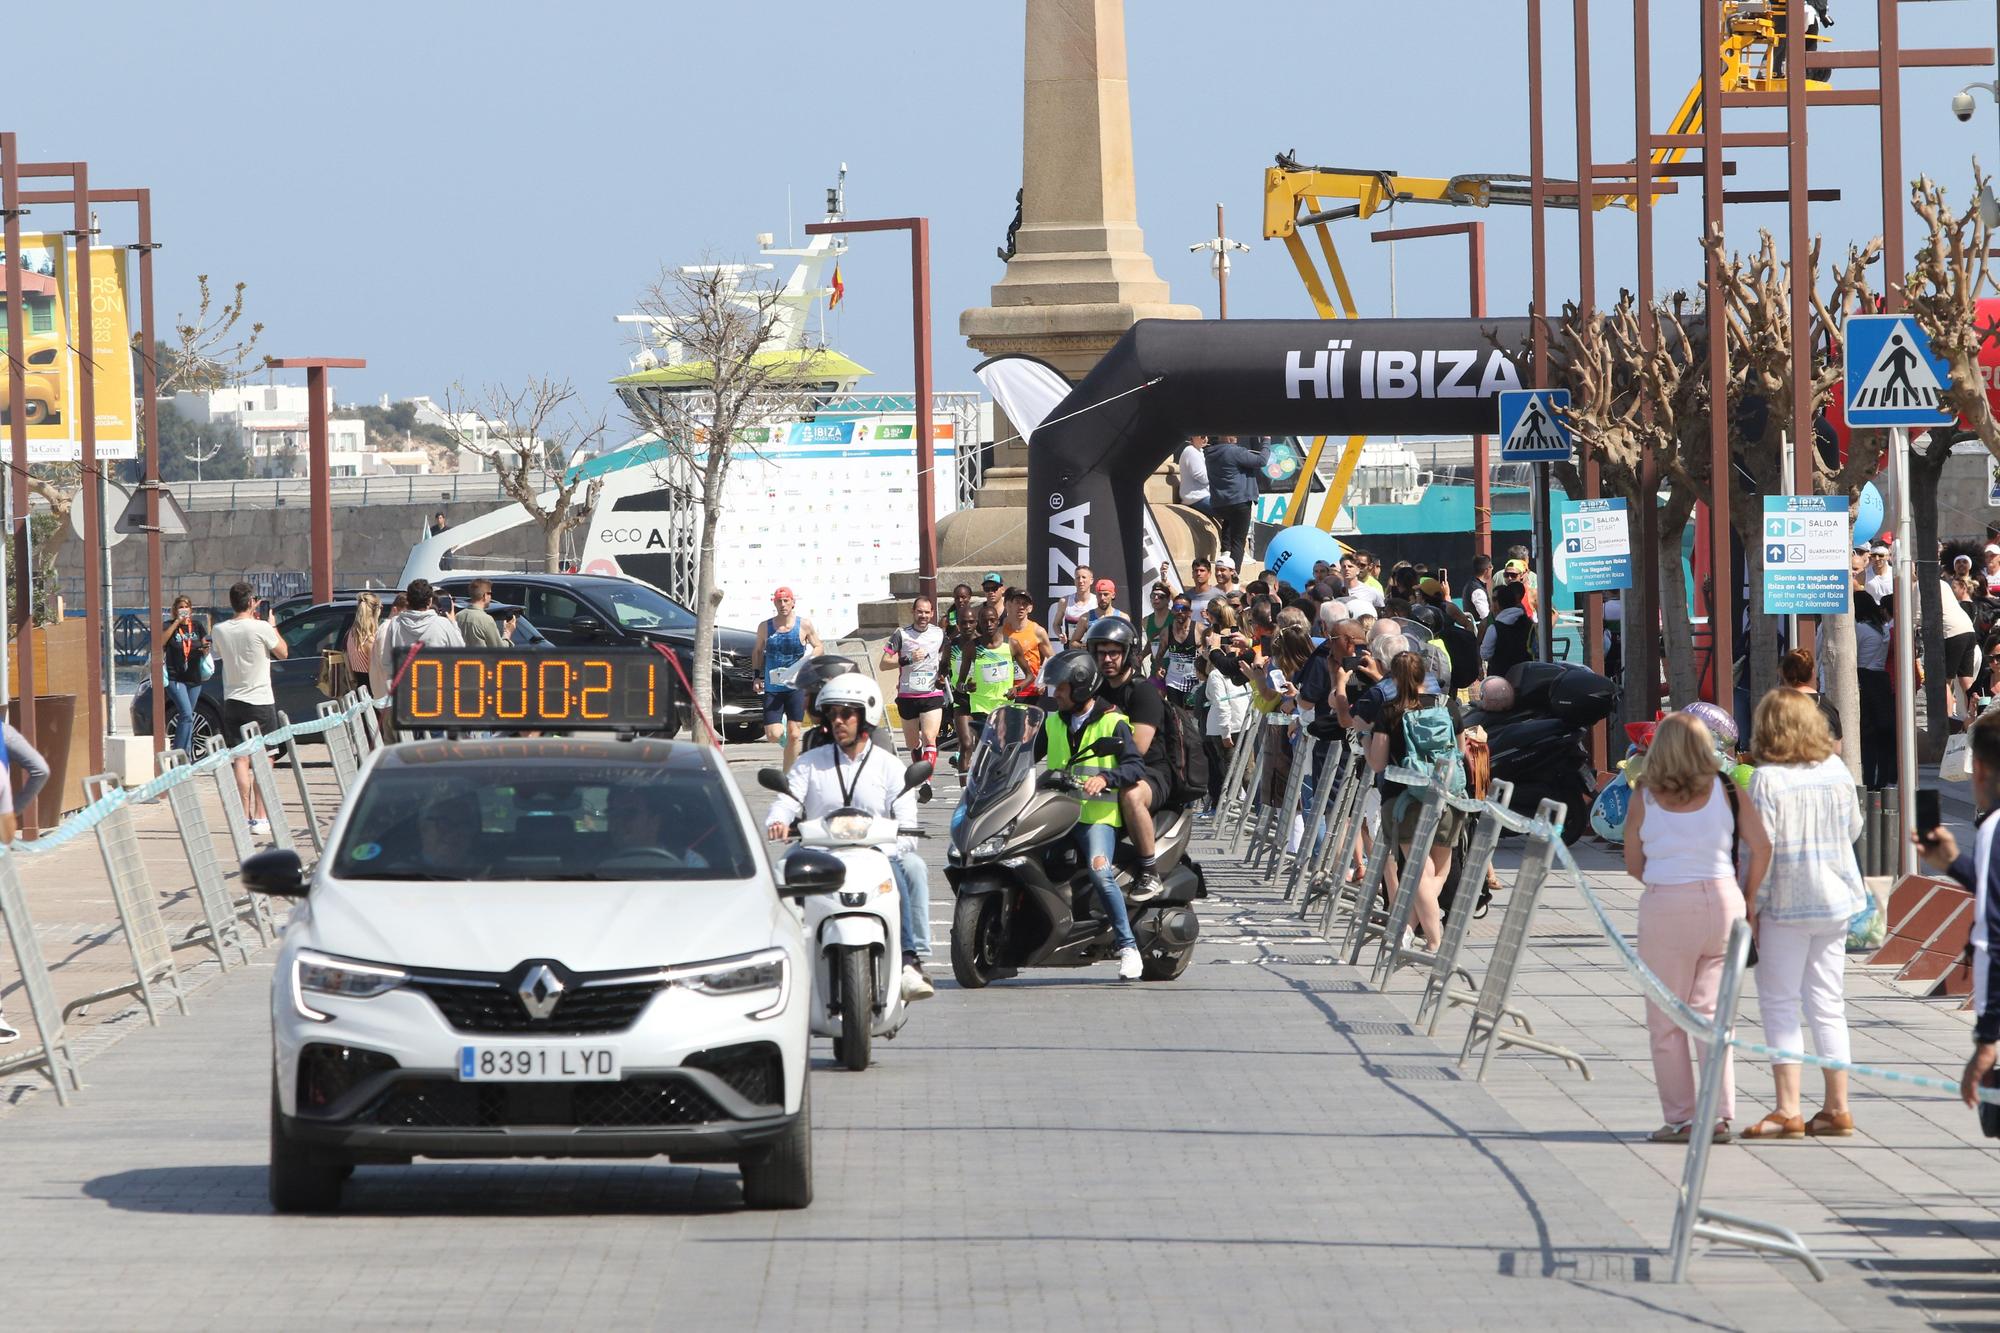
{"x": 562, "y": 689}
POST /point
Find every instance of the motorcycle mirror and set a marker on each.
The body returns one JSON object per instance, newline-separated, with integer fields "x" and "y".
{"x": 770, "y": 779}
{"x": 917, "y": 774}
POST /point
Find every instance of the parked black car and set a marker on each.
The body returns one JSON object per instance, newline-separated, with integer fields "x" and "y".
{"x": 567, "y": 609}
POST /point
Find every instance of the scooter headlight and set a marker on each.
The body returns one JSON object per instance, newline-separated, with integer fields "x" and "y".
{"x": 849, "y": 828}
{"x": 994, "y": 845}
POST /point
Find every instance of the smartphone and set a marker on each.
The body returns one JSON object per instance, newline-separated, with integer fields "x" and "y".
{"x": 1444, "y": 576}
{"x": 1928, "y": 817}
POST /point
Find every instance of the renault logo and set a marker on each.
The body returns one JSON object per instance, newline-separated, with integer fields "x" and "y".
{"x": 540, "y": 990}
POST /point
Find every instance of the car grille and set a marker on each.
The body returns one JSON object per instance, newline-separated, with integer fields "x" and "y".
{"x": 327, "y": 1073}
{"x": 494, "y": 1007}
{"x": 635, "y": 1103}
{"x": 755, "y": 1070}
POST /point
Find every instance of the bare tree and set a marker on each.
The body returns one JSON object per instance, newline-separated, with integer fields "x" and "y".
{"x": 534, "y": 437}
{"x": 1757, "y": 301}
{"x": 724, "y": 378}
{"x": 1942, "y": 293}
{"x": 1628, "y": 402}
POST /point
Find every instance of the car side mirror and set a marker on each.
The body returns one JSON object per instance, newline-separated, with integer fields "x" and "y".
{"x": 276, "y": 872}
{"x": 586, "y": 627}
{"x": 770, "y": 779}
{"x": 809, "y": 871}
{"x": 917, "y": 774}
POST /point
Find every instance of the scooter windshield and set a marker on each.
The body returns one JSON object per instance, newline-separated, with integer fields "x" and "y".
{"x": 1005, "y": 751}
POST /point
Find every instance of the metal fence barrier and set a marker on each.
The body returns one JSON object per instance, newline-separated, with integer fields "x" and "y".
{"x": 340, "y": 745}
{"x": 223, "y": 928}
{"x": 109, "y": 816}
{"x": 305, "y": 790}
{"x": 144, "y": 928}
{"x": 52, "y": 1057}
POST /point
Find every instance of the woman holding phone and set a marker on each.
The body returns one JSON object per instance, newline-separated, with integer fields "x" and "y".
{"x": 182, "y": 650}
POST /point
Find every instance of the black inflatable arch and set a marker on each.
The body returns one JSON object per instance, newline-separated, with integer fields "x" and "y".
{"x": 1166, "y": 379}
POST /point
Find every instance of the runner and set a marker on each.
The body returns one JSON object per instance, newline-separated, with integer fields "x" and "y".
{"x": 985, "y": 678}
{"x": 1030, "y": 640}
{"x": 917, "y": 652}
{"x": 1066, "y": 617}
{"x": 1175, "y": 651}
{"x": 783, "y": 642}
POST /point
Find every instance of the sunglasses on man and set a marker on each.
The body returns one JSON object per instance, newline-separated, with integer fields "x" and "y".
{"x": 1182, "y": 608}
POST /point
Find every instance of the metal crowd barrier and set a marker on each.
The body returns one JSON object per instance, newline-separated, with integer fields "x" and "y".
{"x": 109, "y": 817}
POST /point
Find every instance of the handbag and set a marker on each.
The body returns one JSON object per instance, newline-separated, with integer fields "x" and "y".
{"x": 1735, "y": 843}
{"x": 1956, "y": 766}
{"x": 1989, "y": 1113}
{"x": 335, "y": 677}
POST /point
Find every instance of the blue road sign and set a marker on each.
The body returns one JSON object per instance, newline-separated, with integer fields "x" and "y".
{"x": 1805, "y": 555}
{"x": 1893, "y": 378}
{"x": 1531, "y": 427}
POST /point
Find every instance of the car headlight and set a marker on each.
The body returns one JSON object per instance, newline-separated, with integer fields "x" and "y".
{"x": 765, "y": 970}
{"x": 324, "y": 974}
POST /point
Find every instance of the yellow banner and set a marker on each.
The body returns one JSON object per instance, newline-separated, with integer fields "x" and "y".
{"x": 111, "y": 350}
{"x": 50, "y": 385}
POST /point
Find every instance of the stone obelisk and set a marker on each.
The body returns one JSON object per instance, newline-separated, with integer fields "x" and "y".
{"x": 1080, "y": 275}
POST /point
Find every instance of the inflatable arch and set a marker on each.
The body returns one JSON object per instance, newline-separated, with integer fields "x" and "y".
{"x": 1166, "y": 379}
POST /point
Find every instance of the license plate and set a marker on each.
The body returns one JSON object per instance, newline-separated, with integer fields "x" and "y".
{"x": 537, "y": 1064}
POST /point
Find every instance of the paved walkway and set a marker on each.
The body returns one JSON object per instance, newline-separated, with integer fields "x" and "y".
{"x": 1262, "y": 1144}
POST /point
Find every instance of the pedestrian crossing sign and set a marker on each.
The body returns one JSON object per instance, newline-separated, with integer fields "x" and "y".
{"x": 1532, "y": 428}
{"x": 1893, "y": 379}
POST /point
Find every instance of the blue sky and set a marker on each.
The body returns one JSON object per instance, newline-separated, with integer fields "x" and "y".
{"x": 462, "y": 191}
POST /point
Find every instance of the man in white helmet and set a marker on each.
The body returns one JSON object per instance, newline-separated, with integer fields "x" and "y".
{"x": 856, "y": 772}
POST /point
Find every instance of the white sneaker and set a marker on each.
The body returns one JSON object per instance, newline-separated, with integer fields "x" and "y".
{"x": 1129, "y": 966}
{"x": 916, "y": 986}
{"x": 259, "y": 827}
{"x": 7, "y": 1032}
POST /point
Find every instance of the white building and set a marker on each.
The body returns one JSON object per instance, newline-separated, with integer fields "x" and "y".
{"x": 272, "y": 422}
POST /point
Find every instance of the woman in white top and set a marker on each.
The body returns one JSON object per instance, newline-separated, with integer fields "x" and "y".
{"x": 1680, "y": 837}
{"x": 1961, "y": 640}
{"x": 1066, "y": 617}
{"x": 1805, "y": 796}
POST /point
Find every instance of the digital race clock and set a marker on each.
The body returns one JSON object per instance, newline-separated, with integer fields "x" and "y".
{"x": 561, "y": 689}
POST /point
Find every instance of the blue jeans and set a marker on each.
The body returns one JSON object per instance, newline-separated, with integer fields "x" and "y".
{"x": 1099, "y": 841}
{"x": 913, "y": 887}
{"x": 180, "y": 714}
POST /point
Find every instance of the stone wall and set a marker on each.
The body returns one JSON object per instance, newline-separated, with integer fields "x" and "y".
{"x": 370, "y": 543}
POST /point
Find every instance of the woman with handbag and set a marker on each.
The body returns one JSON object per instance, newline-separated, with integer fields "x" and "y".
{"x": 359, "y": 645}
{"x": 1680, "y": 839}
{"x": 1804, "y": 795}
{"x": 185, "y": 661}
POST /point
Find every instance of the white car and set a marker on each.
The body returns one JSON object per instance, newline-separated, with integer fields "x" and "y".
{"x": 542, "y": 948}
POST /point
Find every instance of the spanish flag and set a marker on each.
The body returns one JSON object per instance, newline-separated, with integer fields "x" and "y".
{"x": 839, "y": 289}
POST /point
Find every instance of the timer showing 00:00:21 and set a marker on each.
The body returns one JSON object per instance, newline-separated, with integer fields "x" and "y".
{"x": 547, "y": 688}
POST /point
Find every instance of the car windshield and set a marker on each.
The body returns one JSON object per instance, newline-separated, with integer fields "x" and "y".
{"x": 540, "y": 820}
{"x": 639, "y": 607}
{"x": 1005, "y": 751}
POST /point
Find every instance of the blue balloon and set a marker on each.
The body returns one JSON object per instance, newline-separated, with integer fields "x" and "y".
{"x": 1870, "y": 514}
{"x": 1298, "y": 549}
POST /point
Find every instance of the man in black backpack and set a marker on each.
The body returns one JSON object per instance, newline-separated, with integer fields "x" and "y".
{"x": 1115, "y": 645}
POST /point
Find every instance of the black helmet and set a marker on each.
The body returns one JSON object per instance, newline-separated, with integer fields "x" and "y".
{"x": 1429, "y": 617}
{"x": 819, "y": 670}
{"x": 1114, "y": 629}
{"x": 1076, "y": 667}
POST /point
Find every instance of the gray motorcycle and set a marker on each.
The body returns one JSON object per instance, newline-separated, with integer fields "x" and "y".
{"x": 1025, "y": 897}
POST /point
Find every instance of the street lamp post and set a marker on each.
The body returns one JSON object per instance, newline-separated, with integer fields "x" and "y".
{"x": 1219, "y": 246}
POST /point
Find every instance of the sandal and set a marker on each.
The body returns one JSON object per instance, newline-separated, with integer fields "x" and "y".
{"x": 1671, "y": 1133}
{"x": 1831, "y": 1125}
{"x": 1723, "y": 1133}
{"x": 1777, "y": 1126}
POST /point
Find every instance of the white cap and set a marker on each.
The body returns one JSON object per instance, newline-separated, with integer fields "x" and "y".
{"x": 1991, "y": 549}
{"x": 1358, "y": 607}
{"x": 1225, "y": 560}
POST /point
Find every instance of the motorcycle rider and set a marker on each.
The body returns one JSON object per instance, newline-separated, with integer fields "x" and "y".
{"x": 1080, "y": 716}
{"x": 1114, "y": 645}
{"x": 856, "y": 772}
{"x": 816, "y": 673}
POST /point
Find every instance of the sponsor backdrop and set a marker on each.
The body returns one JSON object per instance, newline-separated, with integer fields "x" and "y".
{"x": 1167, "y": 379}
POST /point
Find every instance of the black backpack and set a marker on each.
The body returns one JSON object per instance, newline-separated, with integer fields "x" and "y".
{"x": 1187, "y": 760}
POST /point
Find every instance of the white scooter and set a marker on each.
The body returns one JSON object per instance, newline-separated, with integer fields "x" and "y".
{"x": 856, "y": 932}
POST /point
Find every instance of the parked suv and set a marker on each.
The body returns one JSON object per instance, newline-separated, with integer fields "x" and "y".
{"x": 608, "y": 609}
{"x": 542, "y": 948}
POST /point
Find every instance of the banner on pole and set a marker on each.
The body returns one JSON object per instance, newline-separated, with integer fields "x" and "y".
{"x": 49, "y": 382}
{"x": 1806, "y": 550}
{"x": 111, "y": 349}
{"x": 1594, "y": 551}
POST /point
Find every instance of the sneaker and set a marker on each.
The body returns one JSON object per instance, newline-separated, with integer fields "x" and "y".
{"x": 1130, "y": 968}
{"x": 8, "y": 1032}
{"x": 916, "y": 986}
{"x": 1145, "y": 888}
{"x": 259, "y": 827}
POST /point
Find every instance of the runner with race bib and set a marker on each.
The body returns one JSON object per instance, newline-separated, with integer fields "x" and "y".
{"x": 917, "y": 652}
